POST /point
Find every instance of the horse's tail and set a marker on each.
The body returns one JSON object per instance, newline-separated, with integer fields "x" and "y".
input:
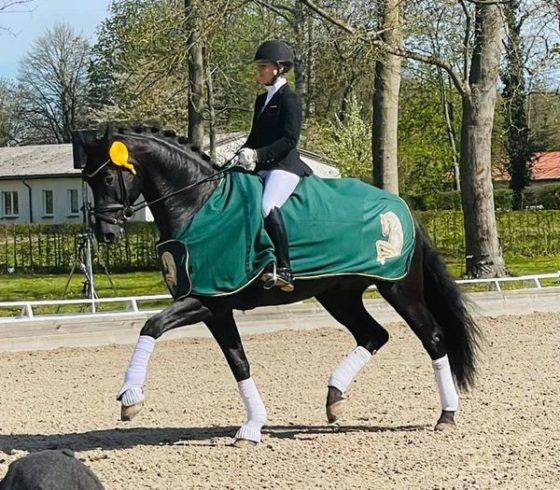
{"x": 449, "y": 308}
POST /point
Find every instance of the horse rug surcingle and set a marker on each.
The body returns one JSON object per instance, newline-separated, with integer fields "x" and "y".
{"x": 335, "y": 227}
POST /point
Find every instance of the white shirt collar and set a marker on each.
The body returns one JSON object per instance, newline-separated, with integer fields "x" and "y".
{"x": 272, "y": 89}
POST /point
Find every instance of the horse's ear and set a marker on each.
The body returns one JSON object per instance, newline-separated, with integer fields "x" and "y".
{"x": 107, "y": 133}
{"x": 82, "y": 141}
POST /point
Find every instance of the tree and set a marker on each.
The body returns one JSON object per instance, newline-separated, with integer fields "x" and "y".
{"x": 483, "y": 252}
{"x": 386, "y": 98}
{"x": 477, "y": 86}
{"x": 195, "y": 61}
{"x": 52, "y": 82}
{"x": 518, "y": 144}
{"x": 7, "y": 110}
{"x": 139, "y": 70}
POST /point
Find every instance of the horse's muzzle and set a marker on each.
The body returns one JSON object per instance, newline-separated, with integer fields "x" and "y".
{"x": 109, "y": 233}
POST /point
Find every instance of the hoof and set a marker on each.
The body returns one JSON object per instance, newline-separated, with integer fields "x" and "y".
{"x": 128, "y": 413}
{"x": 445, "y": 427}
{"x": 335, "y": 411}
{"x": 336, "y": 404}
{"x": 446, "y": 422}
{"x": 244, "y": 443}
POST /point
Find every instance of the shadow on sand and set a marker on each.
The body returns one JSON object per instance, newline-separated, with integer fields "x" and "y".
{"x": 146, "y": 436}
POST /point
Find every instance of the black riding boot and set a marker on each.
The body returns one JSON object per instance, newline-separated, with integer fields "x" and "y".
{"x": 274, "y": 226}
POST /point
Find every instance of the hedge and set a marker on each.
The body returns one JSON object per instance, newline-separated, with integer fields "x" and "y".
{"x": 541, "y": 197}
{"x": 37, "y": 248}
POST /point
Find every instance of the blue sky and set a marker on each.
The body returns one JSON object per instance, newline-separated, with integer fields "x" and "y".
{"x": 83, "y": 15}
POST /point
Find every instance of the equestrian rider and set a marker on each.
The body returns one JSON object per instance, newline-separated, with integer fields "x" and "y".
{"x": 271, "y": 149}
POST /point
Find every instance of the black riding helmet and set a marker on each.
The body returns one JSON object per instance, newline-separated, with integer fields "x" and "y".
{"x": 277, "y": 52}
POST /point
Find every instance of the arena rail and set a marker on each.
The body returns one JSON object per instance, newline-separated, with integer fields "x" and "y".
{"x": 132, "y": 305}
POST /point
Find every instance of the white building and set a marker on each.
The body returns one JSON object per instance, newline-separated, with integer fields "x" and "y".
{"x": 38, "y": 184}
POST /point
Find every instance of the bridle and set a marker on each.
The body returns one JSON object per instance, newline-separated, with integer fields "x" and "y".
{"x": 126, "y": 210}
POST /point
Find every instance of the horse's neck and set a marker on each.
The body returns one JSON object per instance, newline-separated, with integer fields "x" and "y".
{"x": 161, "y": 179}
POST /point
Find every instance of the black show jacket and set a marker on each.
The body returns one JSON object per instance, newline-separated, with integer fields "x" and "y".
{"x": 275, "y": 132}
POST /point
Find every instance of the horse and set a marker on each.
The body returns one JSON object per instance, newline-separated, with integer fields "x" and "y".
{"x": 176, "y": 179}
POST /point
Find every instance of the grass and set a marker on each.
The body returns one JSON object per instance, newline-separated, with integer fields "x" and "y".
{"x": 51, "y": 287}
{"x": 517, "y": 266}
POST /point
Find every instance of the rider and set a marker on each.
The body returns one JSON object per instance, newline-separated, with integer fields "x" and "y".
{"x": 271, "y": 150}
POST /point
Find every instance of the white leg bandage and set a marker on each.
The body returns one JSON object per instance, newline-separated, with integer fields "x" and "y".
{"x": 256, "y": 412}
{"x": 135, "y": 376}
{"x": 446, "y": 386}
{"x": 349, "y": 368}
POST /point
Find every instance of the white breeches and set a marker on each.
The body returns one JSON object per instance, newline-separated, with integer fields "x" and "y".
{"x": 278, "y": 187}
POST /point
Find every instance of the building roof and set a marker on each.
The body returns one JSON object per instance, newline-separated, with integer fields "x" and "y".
{"x": 36, "y": 161}
{"x": 56, "y": 160}
{"x": 546, "y": 166}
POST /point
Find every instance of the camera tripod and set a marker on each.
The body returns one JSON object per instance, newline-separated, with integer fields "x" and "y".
{"x": 83, "y": 260}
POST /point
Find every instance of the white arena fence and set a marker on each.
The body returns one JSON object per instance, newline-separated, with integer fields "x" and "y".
{"x": 113, "y": 308}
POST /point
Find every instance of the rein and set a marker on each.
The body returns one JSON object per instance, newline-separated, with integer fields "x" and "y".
{"x": 128, "y": 210}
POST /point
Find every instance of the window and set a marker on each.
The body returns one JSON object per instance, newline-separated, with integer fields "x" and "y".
{"x": 10, "y": 204}
{"x": 73, "y": 205}
{"x": 48, "y": 203}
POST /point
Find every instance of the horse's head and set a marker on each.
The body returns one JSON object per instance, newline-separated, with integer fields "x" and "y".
{"x": 109, "y": 168}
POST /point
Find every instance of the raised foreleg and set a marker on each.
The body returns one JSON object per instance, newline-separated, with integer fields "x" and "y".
{"x": 224, "y": 329}
{"x": 183, "y": 312}
{"x": 346, "y": 306}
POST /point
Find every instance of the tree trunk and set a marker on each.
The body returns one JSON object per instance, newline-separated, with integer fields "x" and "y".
{"x": 211, "y": 107}
{"x": 386, "y": 100}
{"x": 483, "y": 252}
{"x": 518, "y": 143}
{"x": 195, "y": 58}
{"x": 299, "y": 49}
{"x": 448, "y": 117}
{"x": 309, "y": 59}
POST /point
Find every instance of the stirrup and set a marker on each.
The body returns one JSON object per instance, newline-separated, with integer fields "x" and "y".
{"x": 275, "y": 278}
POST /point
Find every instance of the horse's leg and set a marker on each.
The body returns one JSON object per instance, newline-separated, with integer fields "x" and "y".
{"x": 224, "y": 329}
{"x": 346, "y": 306}
{"x": 407, "y": 297}
{"x": 183, "y": 312}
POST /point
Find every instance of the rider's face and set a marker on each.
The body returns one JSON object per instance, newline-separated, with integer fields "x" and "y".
{"x": 266, "y": 73}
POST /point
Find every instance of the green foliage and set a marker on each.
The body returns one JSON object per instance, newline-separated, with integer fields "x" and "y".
{"x": 518, "y": 144}
{"x": 41, "y": 249}
{"x": 544, "y": 119}
{"x": 139, "y": 69}
{"x": 537, "y": 197}
{"x": 53, "y": 248}
{"x": 522, "y": 233}
{"x": 347, "y": 143}
{"x": 425, "y": 155}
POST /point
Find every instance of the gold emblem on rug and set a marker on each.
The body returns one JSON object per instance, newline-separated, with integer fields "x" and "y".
{"x": 391, "y": 228}
{"x": 169, "y": 269}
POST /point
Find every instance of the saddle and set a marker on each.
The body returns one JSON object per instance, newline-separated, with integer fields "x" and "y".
{"x": 335, "y": 227}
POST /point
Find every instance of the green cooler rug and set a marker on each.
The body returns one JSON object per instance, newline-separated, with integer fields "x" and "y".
{"x": 335, "y": 227}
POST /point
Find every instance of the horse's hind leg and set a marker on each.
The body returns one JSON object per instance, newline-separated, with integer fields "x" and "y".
{"x": 407, "y": 297}
{"x": 346, "y": 306}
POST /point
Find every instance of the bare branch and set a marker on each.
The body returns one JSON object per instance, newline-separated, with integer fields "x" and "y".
{"x": 375, "y": 39}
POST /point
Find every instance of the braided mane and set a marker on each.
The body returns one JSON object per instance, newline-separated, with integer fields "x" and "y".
{"x": 178, "y": 148}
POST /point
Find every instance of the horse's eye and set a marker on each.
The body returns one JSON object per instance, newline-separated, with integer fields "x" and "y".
{"x": 109, "y": 179}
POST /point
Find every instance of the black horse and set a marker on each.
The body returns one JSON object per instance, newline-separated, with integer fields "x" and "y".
{"x": 176, "y": 179}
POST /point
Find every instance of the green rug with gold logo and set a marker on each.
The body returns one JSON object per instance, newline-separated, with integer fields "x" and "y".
{"x": 335, "y": 227}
